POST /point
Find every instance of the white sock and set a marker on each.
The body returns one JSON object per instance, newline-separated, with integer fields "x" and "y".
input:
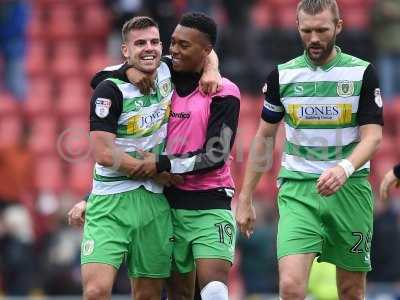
{"x": 215, "y": 290}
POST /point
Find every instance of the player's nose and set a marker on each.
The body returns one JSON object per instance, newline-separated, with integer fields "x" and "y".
{"x": 314, "y": 38}
{"x": 173, "y": 49}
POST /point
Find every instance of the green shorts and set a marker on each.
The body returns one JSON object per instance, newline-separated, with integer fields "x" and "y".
{"x": 134, "y": 226}
{"x": 202, "y": 234}
{"x": 338, "y": 228}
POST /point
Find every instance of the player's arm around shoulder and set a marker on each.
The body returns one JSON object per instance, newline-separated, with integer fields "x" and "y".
{"x": 125, "y": 72}
{"x": 211, "y": 80}
{"x": 227, "y": 88}
{"x": 115, "y": 71}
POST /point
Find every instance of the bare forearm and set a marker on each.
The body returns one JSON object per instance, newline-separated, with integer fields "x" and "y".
{"x": 112, "y": 157}
{"x": 107, "y": 154}
{"x": 259, "y": 161}
{"x": 366, "y": 148}
{"x": 363, "y": 152}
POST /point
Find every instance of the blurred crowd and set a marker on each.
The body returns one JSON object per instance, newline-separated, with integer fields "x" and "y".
{"x": 49, "y": 50}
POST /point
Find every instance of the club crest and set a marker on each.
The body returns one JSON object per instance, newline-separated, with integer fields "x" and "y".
{"x": 345, "y": 88}
{"x": 165, "y": 87}
{"x": 88, "y": 247}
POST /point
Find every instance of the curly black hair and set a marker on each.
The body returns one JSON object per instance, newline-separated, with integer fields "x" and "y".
{"x": 202, "y": 23}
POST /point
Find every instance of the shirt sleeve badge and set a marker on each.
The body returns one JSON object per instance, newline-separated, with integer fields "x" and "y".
{"x": 265, "y": 88}
{"x": 102, "y": 107}
{"x": 378, "y": 97}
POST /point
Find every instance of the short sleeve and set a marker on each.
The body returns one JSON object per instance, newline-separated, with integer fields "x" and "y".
{"x": 105, "y": 107}
{"x": 370, "y": 108}
{"x": 273, "y": 110}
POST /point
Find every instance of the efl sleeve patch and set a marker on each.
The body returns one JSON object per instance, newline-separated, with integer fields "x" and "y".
{"x": 102, "y": 108}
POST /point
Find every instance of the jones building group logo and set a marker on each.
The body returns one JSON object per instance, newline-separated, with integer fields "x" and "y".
{"x": 144, "y": 123}
{"x": 320, "y": 114}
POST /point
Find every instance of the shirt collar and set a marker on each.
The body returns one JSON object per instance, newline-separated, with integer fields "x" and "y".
{"x": 328, "y": 66}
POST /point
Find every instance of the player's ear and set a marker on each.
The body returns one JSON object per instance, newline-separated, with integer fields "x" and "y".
{"x": 339, "y": 26}
{"x": 207, "y": 50}
{"x": 124, "y": 50}
{"x": 161, "y": 45}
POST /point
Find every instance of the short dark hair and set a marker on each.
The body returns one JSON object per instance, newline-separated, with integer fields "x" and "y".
{"x": 313, "y": 7}
{"x": 202, "y": 23}
{"x": 139, "y": 22}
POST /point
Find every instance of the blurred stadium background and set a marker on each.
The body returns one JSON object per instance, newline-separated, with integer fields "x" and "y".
{"x": 49, "y": 49}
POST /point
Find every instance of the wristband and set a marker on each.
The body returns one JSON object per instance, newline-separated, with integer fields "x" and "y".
{"x": 347, "y": 167}
{"x": 396, "y": 171}
{"x": 163, "y": 163}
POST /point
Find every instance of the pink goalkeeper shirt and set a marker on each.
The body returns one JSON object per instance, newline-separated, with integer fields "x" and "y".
{"x": 187, "y": 129}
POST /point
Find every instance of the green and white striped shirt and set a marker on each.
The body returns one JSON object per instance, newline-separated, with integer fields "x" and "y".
{"x": 139, "y": 122}
{"x": 322, "y": 108}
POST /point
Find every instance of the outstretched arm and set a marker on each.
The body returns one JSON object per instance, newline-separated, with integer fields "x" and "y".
{"x": 210, "y": 81}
